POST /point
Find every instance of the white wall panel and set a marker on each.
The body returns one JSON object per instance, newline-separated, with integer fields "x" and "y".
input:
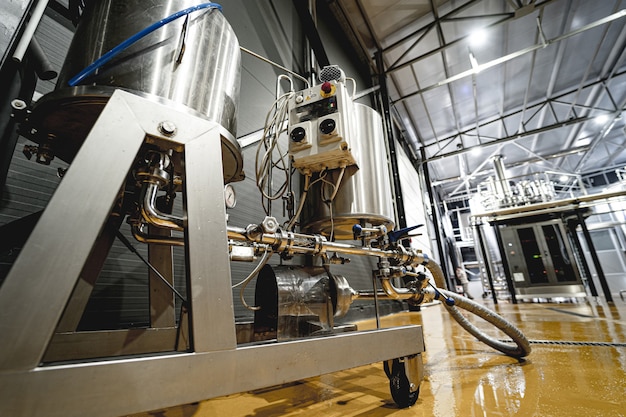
{"x": 413, "y": 197}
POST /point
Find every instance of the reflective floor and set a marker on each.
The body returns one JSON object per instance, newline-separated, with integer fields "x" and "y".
{"x": 465, "y": 377}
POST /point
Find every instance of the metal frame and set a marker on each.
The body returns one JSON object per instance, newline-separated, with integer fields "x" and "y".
{"x": 40, "y": 284}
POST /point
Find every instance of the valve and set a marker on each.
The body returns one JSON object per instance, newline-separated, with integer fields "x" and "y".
{"x": 269, "y": 224}
{"x": 359, "y": 231}
{"x": 396, "y": 235}
{"x": 448, "y": 300}
{"x": 155, "y": 170}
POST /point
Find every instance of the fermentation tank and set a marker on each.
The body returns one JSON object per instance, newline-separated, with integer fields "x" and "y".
{"x": 364, "y": 197}
{"x": 191, "y": 64}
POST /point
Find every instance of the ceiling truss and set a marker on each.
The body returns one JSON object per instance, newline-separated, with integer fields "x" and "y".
{"x": 534, "y": 95}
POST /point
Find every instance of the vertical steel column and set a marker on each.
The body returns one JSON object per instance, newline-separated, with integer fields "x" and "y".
{"x": 393, "y": 158}
{"x": 505, "y": 263}
{"x": 594, "y": 258}
{"x": 583, "y": 260}
{"x": 208, "y": 274}
{"x": 483, "y": 251}
{"x": 431, "y": 198}
{"x": 310, "y": 30}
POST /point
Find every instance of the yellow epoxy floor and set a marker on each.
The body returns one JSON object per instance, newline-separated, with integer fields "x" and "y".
{"x": 465, "y": 377}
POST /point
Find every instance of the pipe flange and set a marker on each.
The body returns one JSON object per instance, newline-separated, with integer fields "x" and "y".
{"x": 285, "y": 242}
{"x": 154, "y": 175}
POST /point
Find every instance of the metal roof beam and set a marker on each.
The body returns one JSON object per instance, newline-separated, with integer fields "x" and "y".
{"x": 514, "y": 137}
{"x": 441, "y": 48}
{"x": 483, "y": 173}
{"x": 538, "y": 104}
{"x": 511, "y": 56}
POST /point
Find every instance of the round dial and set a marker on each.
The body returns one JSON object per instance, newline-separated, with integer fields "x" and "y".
{"x": 327, "y": 126}
{"x": 298, "y": 134}
{"x": 230, "y": 198}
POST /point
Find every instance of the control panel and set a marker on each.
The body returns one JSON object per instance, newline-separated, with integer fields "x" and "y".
{"x": 320, "y": 121}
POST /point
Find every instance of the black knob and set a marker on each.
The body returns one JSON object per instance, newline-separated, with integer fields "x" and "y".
{"x": 327, "y": 126}
{"x": 298, "y": 134}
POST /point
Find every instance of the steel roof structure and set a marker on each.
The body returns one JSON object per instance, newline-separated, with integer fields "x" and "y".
{"x": 546, "y": 88}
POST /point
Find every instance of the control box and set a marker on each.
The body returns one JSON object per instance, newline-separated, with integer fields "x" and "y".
{"x": 320, "y": 124}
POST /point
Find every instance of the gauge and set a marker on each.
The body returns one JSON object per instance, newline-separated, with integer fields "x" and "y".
{"x": 230, "y": 198}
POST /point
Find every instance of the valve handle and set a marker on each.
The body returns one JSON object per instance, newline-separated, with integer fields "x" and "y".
{"x": 396, "y": 235}
{"x": 448, "y": 300}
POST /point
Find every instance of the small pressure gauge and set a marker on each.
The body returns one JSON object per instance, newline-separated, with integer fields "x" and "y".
{"x": 230, "y": 198}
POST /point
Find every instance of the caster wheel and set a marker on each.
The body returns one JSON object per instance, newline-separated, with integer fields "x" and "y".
{"x": 399, "y": 384}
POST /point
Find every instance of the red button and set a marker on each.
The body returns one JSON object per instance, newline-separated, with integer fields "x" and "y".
{"x": 327, "y": 87}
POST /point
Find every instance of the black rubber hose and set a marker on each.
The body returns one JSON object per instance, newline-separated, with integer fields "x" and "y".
{"x": 521, "y": 346}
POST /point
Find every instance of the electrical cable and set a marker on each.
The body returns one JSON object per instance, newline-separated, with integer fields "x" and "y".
{"x": 330, "y": 200}
{"x": 266, "y": 163}
{"x": 246, "y": 281}
{"x": 98, "y": 63}
{"x": 294, "y": 219}
{"x": 337, "y": 184}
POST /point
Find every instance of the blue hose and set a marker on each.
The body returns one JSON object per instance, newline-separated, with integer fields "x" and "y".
{"x": 91, "y": 68}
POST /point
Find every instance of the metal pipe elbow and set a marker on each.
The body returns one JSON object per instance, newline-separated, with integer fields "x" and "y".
{"x": 143, "y": 237}
{"x": 396, "y": 293}
{"x": 152, "y": 215}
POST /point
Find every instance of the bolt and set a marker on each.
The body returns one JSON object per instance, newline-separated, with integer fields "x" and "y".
{"x": 18, "y": 104}
{"x": 167, "y": 128}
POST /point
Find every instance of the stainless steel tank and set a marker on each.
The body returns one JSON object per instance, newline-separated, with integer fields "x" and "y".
{"x": 203, "y": 81}
{"x": 364, "y": 197}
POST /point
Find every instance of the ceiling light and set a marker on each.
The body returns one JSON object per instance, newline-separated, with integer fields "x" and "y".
{"x": 563, "y": 178}
{"x": 476, "y": 151}
{"x": 478, "y": 37}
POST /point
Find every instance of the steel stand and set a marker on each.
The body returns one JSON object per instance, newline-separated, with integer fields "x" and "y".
{"x": 39, "y": 286}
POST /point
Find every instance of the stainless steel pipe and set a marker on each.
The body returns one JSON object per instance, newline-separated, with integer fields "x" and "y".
{"x": 152, "y": 215}
{"x": 143, "y": 237}
{"x": 297, "y": 243}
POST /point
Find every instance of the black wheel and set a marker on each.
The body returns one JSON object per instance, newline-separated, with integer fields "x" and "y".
{"x": 399, "y": 384}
